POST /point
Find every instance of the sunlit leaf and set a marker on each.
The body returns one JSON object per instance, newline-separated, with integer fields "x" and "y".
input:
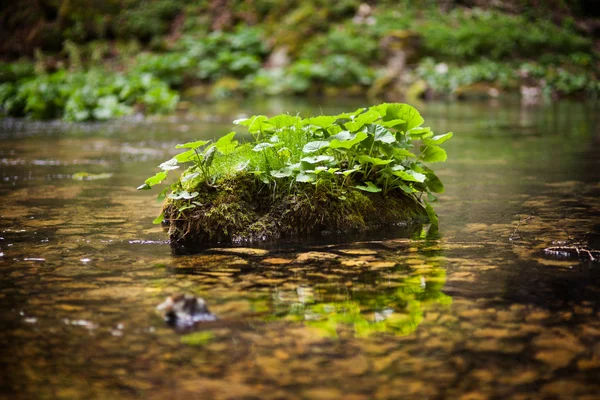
{"x": 169, "y": 165}
{"x": 381, "y": 134}
{"x": 155, "y": 180}
{"x": 262, "y": 146}
{"x": 304, "y": 177}
{"x": 346, "y": 140}
{"x": 159, "y": 219}
{"x": 373, "y": 160}
{"x": 322, "y": 121}
{"x": 187, "y": 156}
{"x": 192, "y": 145}
{"x": 369, "y": 187}
{"x": 311, "y": 147}
{"x": 226, "y": 145}
{"x": 317, "y": 159}
{"x": 284, "y": 121}
{"x": 282, "y": 173}
{"x": 403, "y": 153}
{"x": 420, "y": 133}
{"x": 410, "y": 176}
{"x": 433, "y": 154}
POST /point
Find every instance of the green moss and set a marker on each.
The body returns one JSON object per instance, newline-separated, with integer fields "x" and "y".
{"x": 240, "y": 209}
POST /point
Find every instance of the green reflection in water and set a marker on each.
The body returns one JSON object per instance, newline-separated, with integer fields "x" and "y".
{"x": 367, "y": 311}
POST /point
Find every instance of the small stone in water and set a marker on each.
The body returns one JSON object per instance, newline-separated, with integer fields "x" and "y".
{"x": 185, "y": 310}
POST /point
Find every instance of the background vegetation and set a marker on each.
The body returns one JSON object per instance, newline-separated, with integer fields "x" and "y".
{"x": 82, "y": 60}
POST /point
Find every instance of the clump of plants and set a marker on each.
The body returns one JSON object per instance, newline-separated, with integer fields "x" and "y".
{"x": 299, "y": 176}
{"x": 82, "y": 96}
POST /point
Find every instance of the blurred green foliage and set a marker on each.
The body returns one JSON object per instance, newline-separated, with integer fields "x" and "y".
{"x": 82, "y": 96}
{"x": 341, "y": 47}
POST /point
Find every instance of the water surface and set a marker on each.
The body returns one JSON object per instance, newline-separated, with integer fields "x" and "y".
{"x": 475, "y": 310}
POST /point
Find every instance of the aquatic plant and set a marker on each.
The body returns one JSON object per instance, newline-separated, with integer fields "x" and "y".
{"x": 339, "y": 161}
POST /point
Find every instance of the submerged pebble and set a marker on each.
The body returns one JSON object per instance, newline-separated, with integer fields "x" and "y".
{"x": 185, "y": 310}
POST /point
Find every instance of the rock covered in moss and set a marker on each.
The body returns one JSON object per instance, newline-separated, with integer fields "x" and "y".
{"x": 239, "y": 209}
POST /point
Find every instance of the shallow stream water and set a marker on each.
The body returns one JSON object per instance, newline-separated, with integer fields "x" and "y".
{"x": 475, "y": 310}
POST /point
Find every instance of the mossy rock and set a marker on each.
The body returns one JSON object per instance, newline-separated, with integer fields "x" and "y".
{"x": 242, "y": 209}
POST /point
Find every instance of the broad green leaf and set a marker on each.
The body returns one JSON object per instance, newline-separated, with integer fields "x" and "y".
{"x": 369, "y": 187}
{"x": 226, "y": 145}
{"x": 144, "y": 186}
{"x": 162, "y": 195}
{"x": 323, "y": 121}
{"x": 403, "y": 153}
{"x": 192, "y": 145}
{"x": 433, "y": 154}
{"x": 346, "y": 140}
{"x": 317, "y": 159}
{"x": 433, "y": 182}
{"x": 159, "y": 219}
{"x": 433, "y": 218}
{"x": 342, "y": 136}
{"x": 284, "y": 121}
{"x": 373, "y": 160}
{"x": 348, "y": 171}
{"x": 187, "y": 156}
{"x": 242, "y": 166}
{"x": 361, "y": 120}
{"x": 209, "y": 156}
{"x": 249, "y": 121}
{"x": 262, "y": 146}
{"x": 410, "y": 176}
{"x": 282, "y": 173}
{"x": 381, "y": 134}
{"x": 439, "y": 139}
{"x": 405, "y": 112}
{"x": 155, "y": 180}
{"x": 304, "y": 177}
{"x": 169, "y": 165}
{"x": 393, "y": 123}
{"x": 186, "y": 177}
{"x": 259, "y": 124}
{"x": 311, "y": 147}
{"x": 406, "y": 188}
{"x": 420, "y": 133}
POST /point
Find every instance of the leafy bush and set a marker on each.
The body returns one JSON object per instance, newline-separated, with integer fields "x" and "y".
{"x": 12, "y": 72}
{"x": 370, "y": 150}
{"x": 349, "y": 40}
{"x": 471, "y": 34}
{"x": 146, "y": 19}
{"x": 171, "y": 68}
{"x": 563, "y": 79}
{"x": 447, "y": 78}
{"x": 81, "y": 96}
{"x": 238, "y": 53}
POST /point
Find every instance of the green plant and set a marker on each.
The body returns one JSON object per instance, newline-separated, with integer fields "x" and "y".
{"x": 81, "y": 96}
{"x": 238, "y": 53}
{"x": 370, "y": 150}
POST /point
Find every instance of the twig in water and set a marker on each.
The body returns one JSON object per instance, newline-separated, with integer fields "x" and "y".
{"x": 568, "y": 251}
{"x": 514, "y": 235}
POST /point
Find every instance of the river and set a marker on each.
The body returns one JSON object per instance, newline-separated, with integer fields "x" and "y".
{"x": 475, "y": 310}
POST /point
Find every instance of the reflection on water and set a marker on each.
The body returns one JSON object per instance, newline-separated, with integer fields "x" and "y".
{"x": 475, "y": 310}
